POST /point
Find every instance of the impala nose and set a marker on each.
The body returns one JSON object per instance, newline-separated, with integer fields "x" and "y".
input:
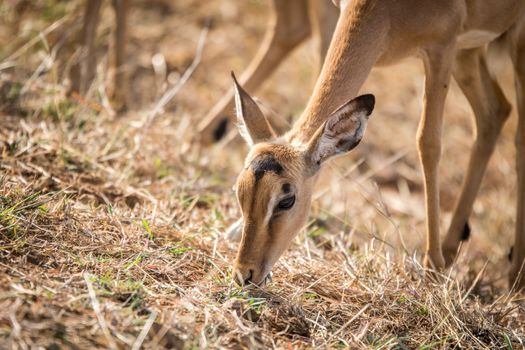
{"x": 243, "y": 278}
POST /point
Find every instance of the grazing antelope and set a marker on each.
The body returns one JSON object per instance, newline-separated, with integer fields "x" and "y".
{"x": 275, "y": 187}
{"x": 83, "y": 71}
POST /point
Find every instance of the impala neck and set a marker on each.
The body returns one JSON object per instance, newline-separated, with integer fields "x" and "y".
{"x": 357, "y": 44}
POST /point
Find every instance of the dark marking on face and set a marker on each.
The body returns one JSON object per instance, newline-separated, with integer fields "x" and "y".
{"x": 264, "y": 163}
{"x": 466, "y": 232}
{"x": 286, "y": 188}
{"x": 510, "y": 253}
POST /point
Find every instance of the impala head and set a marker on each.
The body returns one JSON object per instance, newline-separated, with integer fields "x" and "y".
{"x": 275, "y": 187}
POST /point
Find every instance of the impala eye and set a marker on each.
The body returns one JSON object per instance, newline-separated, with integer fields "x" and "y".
{"x": 286, "y": 203}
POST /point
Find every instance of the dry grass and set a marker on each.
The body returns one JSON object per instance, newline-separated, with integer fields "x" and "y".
{"x": 111, "y": 229}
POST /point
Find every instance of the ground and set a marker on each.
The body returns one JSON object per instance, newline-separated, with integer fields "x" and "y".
{"x": 112, "y": 226}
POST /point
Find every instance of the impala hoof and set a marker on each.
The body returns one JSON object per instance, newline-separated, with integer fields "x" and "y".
{"x": 517, "y": 278}
{"x": 451, "y": 244}
{"x": 434, "y": 262}
{"x": 449, "y": 254}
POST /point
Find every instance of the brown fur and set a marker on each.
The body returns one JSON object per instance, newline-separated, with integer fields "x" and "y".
{"x": 372, "y": 32}
{"x": 275, "y": 171}
{"x": 262, "y": 244}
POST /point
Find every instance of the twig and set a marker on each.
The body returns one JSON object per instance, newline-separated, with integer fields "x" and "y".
{"x": 350, "y": 321}
{"x": 174, "y": 90}
{"x": 96, "y": 308}
{"x": 140, "y": 339}
{"x": 476, "y": 280}
{"x": 32, "y": 42}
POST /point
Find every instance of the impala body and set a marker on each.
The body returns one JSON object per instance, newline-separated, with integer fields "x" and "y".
{"x": 275, "y": 187}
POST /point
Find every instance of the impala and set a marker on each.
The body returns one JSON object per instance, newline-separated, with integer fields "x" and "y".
{"x": 275, "y": 187}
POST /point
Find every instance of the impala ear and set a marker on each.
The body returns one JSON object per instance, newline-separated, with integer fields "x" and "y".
{"x": 342, "y": 131}
{"x": 251, "y": 122}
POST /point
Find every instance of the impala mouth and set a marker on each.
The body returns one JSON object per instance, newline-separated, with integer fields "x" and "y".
{"x": 264, "y": 282}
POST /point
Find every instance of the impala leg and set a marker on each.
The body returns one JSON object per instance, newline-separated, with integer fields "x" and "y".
{"x": 324, "y": 15}
{"x": 287, "y": 28}
{"x": 438, "y": 65}
{"x": 517, "y": 273}
{"x": 491, "y": 110}
{"x": 118, "y": 86}
{"x": 83, "y": 72}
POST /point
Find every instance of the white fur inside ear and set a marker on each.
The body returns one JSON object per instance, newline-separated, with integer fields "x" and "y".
{"x": 241, "y": 124}
{"x": 243, "y": 131}
{"x": 341, "y": 133}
